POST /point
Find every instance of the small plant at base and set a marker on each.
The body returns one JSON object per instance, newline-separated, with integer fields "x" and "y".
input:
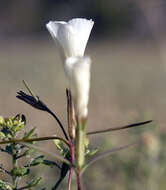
{"x": 10, "y": 128}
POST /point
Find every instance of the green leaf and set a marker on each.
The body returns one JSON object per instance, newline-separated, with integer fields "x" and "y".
{"x": 9, "y": 149}
{"x": 29, "y": 151}
{"x": 38, "y": 160}
{"x": 7, "y": 132}
{"x": 50, "y": 163}
{"x": 60, "y": 146}
{"x": 119, "y": 128}
{"x": 106, "y": 154}
{"x": 1, "y": 121}
{"x": 2, "y": 135}
{"x": 29, "y": 134}
{"x": 19, "y": 122}
{"x": 5, "y": 186}
{"x": 34, "y": 182}
{"x": 21, "y": 171}
{"x": 56, "y": 156}
{"x": 90, "y": 153}
{"x": 18, "y": 127}
{"x": 64, "y": 170}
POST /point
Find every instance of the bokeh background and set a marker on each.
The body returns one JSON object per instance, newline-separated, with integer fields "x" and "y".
{"x": 127, "y": 46}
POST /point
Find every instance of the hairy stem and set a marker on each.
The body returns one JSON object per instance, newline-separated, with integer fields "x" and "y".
{"x": 80, "y": 150}
{"x": 70, "y": 179}
{"x": 79, "y": 182}
{"x": 72, "y": 152}
{"x": 80, "y": 146}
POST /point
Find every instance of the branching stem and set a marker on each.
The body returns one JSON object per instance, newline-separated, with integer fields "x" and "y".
{"x": 72, "y": 152}
{"x": 14, "y": 156}
{"x": 35, "y": 139}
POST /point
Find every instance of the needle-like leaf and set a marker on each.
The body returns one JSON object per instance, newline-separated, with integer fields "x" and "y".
{"x": 106, "y": 154}
{"x": 119, "y": 128}
{"x": 30, "y": 91}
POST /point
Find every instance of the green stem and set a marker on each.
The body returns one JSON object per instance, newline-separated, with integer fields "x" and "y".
{"x": 80, "y": 145}
{"x": 80, "y": 149}
{"x": 14, "y": 159}
{"x": 34, "y": 139}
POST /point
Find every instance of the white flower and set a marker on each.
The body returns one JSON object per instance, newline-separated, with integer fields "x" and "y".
{"x": 78, "y": 73}
{"x": 71, "y": 36}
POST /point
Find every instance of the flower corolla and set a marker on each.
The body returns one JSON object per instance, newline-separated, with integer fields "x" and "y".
{"x": 71, "y": 36}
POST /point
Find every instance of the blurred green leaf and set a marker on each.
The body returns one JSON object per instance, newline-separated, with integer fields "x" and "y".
{"x": 90, "y": 153}
{"x": 38, "y": 160}
{"x": 9, "y": 148}
{"x": 34, "y": 182}
{"x": 60, "y": 146}
{"x": 29, "y": 151}
{"x": 21, "y": 171}
{"x": 29, "y": 134}
{"x": 2, "y": 135}
{"x": 106, "y": 154}
{"x": 1, "y": 121}
{"x": 5, "y": 186}
{"x": 50, "y": 163}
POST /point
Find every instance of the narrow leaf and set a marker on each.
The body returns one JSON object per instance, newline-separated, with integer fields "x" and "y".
{"x": 106, "y": 154}
{"x": 56, "y": 156}
{"x": 29, "y": 90}
{"x": 34, "y": 182}
{"x": 119, "y": 128}
{"x": 29, "y": 134}
{"x": 51, "y": 163}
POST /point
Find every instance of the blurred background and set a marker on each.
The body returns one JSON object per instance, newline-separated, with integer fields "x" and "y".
{"x": 127, "y": 46}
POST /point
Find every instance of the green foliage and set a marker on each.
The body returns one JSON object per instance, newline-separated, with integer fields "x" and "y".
{"x": 91, "y": 152}
{"x": 5, "y": 186}
{"x": 36, "y": 161}
{"x": 9, "y": 129}
{"x": 34, "y": 182}
{"x": 61, "y": 147}
{"x": 10, "y": 126}
{"x": 20, "y": 171}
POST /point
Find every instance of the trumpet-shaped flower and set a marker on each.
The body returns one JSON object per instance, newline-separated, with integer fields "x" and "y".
{"x": 71, "y": 36}
{"x": 78, "y": 74}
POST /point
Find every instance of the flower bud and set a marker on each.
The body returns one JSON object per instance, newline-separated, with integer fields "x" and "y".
{"x": 78, "y": 73}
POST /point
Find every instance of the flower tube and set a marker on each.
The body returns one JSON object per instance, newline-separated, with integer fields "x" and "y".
{"x": 78, "y": 73}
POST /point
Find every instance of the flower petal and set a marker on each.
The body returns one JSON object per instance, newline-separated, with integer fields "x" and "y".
{"x": 72, "y": 36}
